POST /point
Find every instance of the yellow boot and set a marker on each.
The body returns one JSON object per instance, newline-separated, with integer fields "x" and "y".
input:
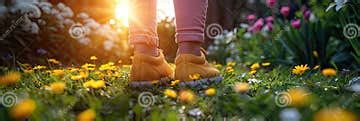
{"x": 194, "y": 70}
{"x": 147, "y": 70}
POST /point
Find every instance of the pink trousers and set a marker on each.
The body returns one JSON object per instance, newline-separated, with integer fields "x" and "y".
{"x": 190, "y": 18}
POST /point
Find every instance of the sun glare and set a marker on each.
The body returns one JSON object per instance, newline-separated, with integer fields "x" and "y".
{"x": 165, "y": 9}
{"x": 122, "y": 12}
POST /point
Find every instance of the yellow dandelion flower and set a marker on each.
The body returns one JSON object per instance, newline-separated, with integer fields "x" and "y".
{"x": 117, "y": 74}
{"x": 265, "y": 64}
{"x": 231, "y": 63}
{"x": 54, "y": 61}
{"x": 316, "y": 67}
{"x": 218, "y": 66}
{"x": 210, "y": 92}
{"x": 175, "y": 82}
{"x": 299, "y": 97}
{"x": 57, "y": 87}
{"x": 99, "y": 74}
{"x": 170, "y": 93}
{"x": 76, "y": 77}
{"x": 39, "y": 67}
{"x": 87, "y": 115}
{"x": 71, "y": 70}
{"x": 10, "y": 78}
{"x": 194, "y": 76}
{"x": 93, "y": 58}
{"x": 23, "y": 109}
{"x": 58, "y": 72}
{"x": 329, "y": 72}
{"x": 187, "y": 96}
{"x": 229, "y": 69}
{"x": 108, "y": 66}
{"x": 300, "y": 69}
{"x": 48, "y": 71}
{"x": 255, "y": 66}
{"x": 335, "y": 114}
{"x": 98, "y": 84}
{"x": 241, "y": 87}
{"x": 84, "y": 74}
{"x": 94, "y": 84}
{"x": 252, "y": 72}
{"x": 88, "y": 66}
{"x": 89, "y": 83}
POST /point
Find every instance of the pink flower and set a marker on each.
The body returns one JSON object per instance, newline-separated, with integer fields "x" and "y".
{"x": 271, "y": 3}
{"x": 258, "y": 24}
{"x": 296, "y": 23}
{"x": 307, "y": 14}
{"x": 269, "y": 26}
{"x": 285, "y": 10}
{"x": 251, "y": 18}
{"x": 269, "y": 19}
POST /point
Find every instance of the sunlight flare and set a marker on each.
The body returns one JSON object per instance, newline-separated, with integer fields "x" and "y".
{"x": 122, "y": 12}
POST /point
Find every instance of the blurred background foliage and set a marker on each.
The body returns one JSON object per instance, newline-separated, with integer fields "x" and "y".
{"x": 313, "y": 36}
{"x": 318, "y": 40}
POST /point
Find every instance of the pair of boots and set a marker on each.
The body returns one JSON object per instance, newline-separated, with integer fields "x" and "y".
{"x": 147, "y": 68}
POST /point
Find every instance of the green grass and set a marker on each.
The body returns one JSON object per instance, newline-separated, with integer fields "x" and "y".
{"x": 116, "y": 101}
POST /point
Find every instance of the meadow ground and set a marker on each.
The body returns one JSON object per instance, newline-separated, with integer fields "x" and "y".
{"x": 100, "y": 91}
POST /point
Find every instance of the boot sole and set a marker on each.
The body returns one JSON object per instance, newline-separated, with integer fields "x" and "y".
{"x": 148, "y": 84}
{"x": 165, "y": 82}
{"x": 202, "y": 82}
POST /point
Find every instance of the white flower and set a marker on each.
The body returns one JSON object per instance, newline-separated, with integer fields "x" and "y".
{"x": 41, "y": 22}
{"x": 69, "y": 22}
{"x": 33, "y": 28}
{"x": 83, "y": 15}
{"x": 243, "y": 25}
{"x": 26, "y": 22}
{"x": 355, "y": 87}
{"x": 84, "y": 41}
{"x": 312, "y": 18}
{"x": 338, "y": 4}
{"x": 290, "y": 114}
{"x": 54, "y": 12}
{"x": 195, "y": 112}
{"x": 107, "y": 32}
{"x": 45, "y": 6}
{"x": 354, "y": 84}
{"x": 65, "y": 11}
{"x": 247, "y": 35}
{"x": 59, "y": 17}
{"x": 27, "y": 8}
{"x": 91, "y": 23}
{"x": 61, "y": 6}
{"x": 252, "y": 80}
{"x": 46, "y": 10}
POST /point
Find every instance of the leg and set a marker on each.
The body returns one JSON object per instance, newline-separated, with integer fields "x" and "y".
{"x": 142, "y": 26}
{"x": 191, "y": 64}
{"x": 148, "y": 63}
{"x": 190, "y": 24}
